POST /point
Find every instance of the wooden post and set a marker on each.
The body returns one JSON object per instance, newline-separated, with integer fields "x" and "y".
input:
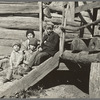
{"x": 71, "y": 11}
{"x": 67, "y": 13}
{"x": 62, "y": 35}
{"x": 94, "y": 18}
{"x": 94, "y": 82}
{"x": 40, "y": 20}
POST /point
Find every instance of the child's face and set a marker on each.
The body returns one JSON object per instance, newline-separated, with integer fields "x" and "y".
{"x": 30, "y": 35}
{"x": 31, "y": 47}
{"x": 49, "y": 30}
{"x": 16, "y": 48}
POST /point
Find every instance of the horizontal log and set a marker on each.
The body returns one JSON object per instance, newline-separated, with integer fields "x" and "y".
{"x": 82, "y": 27}
{"x": 19, "y": 8}
{"x": 59, "y": 21}
{"x": 78, "y": 45}
{"x": 81, "y": 57}
{"x": 7, "y": 42}
{"x": 54, "y": 8}
{"x": 87, "y": 6}
{"x": 20, "y": 14}
{"x": 21, "y": 23}
{"x": 18, "y": 2}
{"x": 5, "y": 50}
{"x": 94, "y": 44}
{"x": 78, "y": 9}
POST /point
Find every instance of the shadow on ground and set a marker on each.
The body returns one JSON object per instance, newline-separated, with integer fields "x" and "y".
{"x": 74, "y": 76}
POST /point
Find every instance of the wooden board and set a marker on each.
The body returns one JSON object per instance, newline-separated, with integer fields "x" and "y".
{"x": 32, "y": 77}
{"x": 94, "y": 82}
{"x": 18, "y": 8}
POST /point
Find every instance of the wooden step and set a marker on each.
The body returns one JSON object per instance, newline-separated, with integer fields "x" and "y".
{"x": 32, "y": 77}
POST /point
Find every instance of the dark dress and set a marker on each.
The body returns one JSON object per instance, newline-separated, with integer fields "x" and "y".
{"x": 50, "y": 45}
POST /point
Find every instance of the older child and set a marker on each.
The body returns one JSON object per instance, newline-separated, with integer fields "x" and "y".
{"x": 16, "y": 59}
{"x": 29, "y": 34}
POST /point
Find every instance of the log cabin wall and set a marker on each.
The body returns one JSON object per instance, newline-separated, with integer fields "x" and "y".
{"x": 15, "y": 19}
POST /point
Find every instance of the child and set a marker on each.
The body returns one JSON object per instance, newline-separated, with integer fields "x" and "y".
{"x": 32, "y": 50}
{"x": 48, "y": 48}
{"x": 29, "y": 34}
{"x": 16, "y": 59}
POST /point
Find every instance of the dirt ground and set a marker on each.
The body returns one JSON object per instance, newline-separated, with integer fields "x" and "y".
{"x": 62, "y": 91}
{"x": 56, "y": 85}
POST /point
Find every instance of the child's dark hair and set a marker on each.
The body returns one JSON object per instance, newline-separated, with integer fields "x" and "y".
{"x": 30, "y": 31}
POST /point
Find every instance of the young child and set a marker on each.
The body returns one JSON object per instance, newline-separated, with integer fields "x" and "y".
{"x": 16, "y": 59}
{"x": 29, "y": 34}
{"x": 32, "y": 50}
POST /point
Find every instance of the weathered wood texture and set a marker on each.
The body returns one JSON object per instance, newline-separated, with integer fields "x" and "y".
{"x": 8, "y": 36}
{"x": 94, "y": 82}
{"x": 84, "y": 26}
{"x": 8, "y": 42}
{"x": 70, "y": 26}
{"x": 94, "y": 44}
{"x": 15, "y": 34}
{"x": 59, "y": 21}
{"x": 19, "y": 8}
{"x": 80, "y": 8}
{"x": 32, "y": 77}
{"x": 87, "y": 6}
{"x": 20, "y": 23}
{"x": 62, "y": 35}
{"x": 5, "y": 50}
{"x": 81, "y": 57}
{"x": 78, "y": 45}
{"x": 41, "y": 21}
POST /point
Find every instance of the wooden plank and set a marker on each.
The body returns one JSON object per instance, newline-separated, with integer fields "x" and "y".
{"x": 87, "y": 6}
{"x": 22, "y": 23}
{"x": 33, "y": 77}
{"x": 19, "y": 8}
{"x": 94, "y": 81}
